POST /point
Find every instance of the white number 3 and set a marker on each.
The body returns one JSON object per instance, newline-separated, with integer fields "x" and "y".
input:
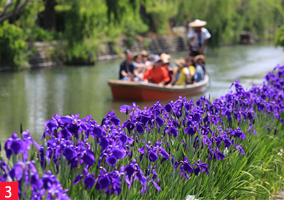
{"x": 9, "y": 191}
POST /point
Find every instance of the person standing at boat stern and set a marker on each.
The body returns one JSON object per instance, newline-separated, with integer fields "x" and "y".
{"x": 127, "y": 70}
{"x": 156, "y": 74}
{"x": 198, "y": 36}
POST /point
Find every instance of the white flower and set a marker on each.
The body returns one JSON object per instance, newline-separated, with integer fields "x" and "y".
{"x": 191, "y": 197}
{"x": 280, "y": 154}
{"x": 226, "y": 151}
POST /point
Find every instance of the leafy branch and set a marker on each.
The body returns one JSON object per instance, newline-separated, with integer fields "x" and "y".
{"x": 18, "y": 6}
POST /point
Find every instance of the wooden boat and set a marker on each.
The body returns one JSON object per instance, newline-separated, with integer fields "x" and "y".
{"x": 140, "y": 91}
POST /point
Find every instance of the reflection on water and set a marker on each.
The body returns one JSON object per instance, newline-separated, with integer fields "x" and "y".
{"x": 32, "y": 97}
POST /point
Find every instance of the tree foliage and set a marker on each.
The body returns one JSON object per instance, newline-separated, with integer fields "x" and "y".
{"x": 86, "y": 25}
{"x": 279, "y": 41}
{"x": 13, "y": 47}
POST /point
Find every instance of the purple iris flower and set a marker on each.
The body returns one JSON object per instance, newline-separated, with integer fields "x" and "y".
{"x": 216, "y": 154}
{"x": 89, "y": 158}
{"x": 190, "y": 131}
{"x": 104, "y": 142}
{"x": 13, "y": 145}
{"x": 239, "y": 134}
{"x": 36, "y": 182}
{"x": 65, "y": 119}
{"x": 37, "y": 195}
{"x": 129, "y": 125}
{"x": 51, "y": 125}
{"x": 77, "y": 179}
{"x": 4, "y": 169}
{"x": 153, "y": 156}
{"x": 152, "y": 152}
{"x": 125, "y": 108}
{"x": 168, "y": 107}
{"x": 55, "y": 191}
{"x": 200, "y": 167}
{"x": 111, "y": 160}
{"x": 48, "y": 179}
{"x": 123, "y": 138}
{"x": 133, "y": 171}
{"x": 66, "y": 133}
{"x": 160, "y": 121}
{"x": 115, "y": 120}
{"x": 98, "y": 132}
{"x": 69, "y": 153}
{"x": 185, "y": 167}
{"x": 89, "y": 181}
{"x": 119, "y": 153}
{"x": 16, "y": 172}
{"x": 196, "y": 117}
{"x": 240, "y": 149}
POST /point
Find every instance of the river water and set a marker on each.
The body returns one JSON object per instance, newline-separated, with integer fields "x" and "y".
{"x": 32, "y": 97}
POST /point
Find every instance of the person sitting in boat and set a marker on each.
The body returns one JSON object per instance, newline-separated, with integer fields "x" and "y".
{"x": 182, "y": 72}
{"x": 139, "y": 66}
{"x": 191, "y": 67}
{"x": 198, "y": 37}
{"x": 200, "y": 68}
{"x": 167, "y": 65}
{"x": 156, "y": 74}
{"x": 145, "y": 59}
{"x": 127, "y": 71}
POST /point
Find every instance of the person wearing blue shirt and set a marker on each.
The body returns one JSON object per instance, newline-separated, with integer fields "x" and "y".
{"x": 199, "y": 69}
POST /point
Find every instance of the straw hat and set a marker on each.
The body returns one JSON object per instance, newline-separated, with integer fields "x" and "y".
{"x": 180, "y": 62}
{"x": 202, "y": 57}
{"x": 197, "y": 23}
{"x": 165, "y": 58}
{"x": 144, "y": 53}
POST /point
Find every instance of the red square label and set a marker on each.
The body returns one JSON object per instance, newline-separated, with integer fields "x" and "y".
{"x": 9, "y": 190}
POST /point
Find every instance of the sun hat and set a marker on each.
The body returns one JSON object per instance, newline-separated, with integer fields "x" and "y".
{"x": 179, "y": 62}
{"x": 202, "y": 57}
{"x": 165, "y": 58}
{"x": 197, "y": 23}
{"x": 156, "y": 59}
{"x": 144, "y": 53}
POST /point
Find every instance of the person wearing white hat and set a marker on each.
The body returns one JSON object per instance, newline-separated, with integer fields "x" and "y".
{"x": 198, "y": 37}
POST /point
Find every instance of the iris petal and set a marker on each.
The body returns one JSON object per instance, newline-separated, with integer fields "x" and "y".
{"x": 111, "y": 161}
{"x": 89, "y": 158}
{"x": 139, "y": 128}
{"x": 118, "y": 153}
{"x": 16, "y": 146}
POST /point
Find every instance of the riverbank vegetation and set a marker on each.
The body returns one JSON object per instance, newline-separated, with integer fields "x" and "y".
{"x": 86, "y": 25}
{"x": 223, "y": 149}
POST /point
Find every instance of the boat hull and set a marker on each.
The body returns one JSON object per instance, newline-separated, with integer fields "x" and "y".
{"x": 150, "y": 92}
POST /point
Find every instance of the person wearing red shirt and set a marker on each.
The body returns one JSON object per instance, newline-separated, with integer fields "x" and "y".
{"x": 156, "y": 74}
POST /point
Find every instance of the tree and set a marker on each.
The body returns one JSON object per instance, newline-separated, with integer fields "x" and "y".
{"x": 49, "y": 15}
{"x": 15, "y": 11}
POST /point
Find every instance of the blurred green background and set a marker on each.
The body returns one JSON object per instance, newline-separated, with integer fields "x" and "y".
{"x": 85, "y": 25}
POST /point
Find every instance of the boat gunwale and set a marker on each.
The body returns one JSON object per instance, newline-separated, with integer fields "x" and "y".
{"x": 142, "y": 85}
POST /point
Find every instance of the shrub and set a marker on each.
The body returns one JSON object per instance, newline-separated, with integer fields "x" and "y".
{"x": 13, "y": 51}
